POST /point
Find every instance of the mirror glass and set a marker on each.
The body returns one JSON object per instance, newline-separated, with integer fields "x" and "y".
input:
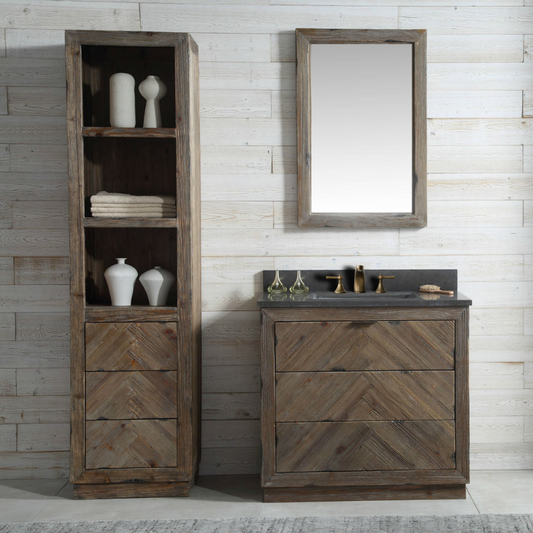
{"x": 361, "y": 128}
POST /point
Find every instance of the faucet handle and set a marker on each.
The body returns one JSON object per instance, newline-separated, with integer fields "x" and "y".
{"x": 340, "y": 287}
{"x": 381, "y": 288}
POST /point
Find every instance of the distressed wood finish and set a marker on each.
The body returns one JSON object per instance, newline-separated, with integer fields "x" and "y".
{"x": 348, "y": 396}
{"x": 392, "y": 345}
{"x": 130, "y": 395}
{"x": 131, "y": 346}
{"x": 131, "y": 444}
{"x": 159, "y": 447}
{"x": 304, "y": 39}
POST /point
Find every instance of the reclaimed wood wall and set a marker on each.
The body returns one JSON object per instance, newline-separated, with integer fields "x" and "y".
{"x": 480, "y": 104}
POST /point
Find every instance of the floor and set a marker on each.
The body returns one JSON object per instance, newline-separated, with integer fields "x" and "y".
{"x": 235, "y": 496}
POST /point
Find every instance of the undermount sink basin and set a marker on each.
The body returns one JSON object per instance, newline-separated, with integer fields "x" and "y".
{"x": 364, "y": 295}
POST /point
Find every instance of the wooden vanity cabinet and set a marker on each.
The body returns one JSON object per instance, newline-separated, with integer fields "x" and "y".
{"x": 364, "y": 403}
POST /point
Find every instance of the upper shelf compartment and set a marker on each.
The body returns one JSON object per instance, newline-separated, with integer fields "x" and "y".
{"x": 101, "y": 62}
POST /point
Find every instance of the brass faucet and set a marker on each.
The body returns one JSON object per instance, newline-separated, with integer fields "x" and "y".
{"x": 381, "y": 288}
{"x": 340, "y": 287}
{"x": 359, "y": 280}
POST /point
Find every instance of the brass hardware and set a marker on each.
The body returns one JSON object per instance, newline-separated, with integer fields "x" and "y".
{"x": 340, "y": 287}
{"x": 359, "y": 282}
{"x": 381, "y": 288}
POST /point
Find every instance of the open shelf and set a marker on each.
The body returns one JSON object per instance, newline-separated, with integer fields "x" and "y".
{"x": 151, "y": 133}
{"x": 104, "y": 222}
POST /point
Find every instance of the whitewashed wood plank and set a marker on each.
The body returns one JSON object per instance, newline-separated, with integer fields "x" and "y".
{"x": 34, "y": 409}
{"x": 527, "y": 110}
{"x": 230, "y": 433}
{"x": 4, "y": 157}
{"x": 235, "y": 104}
{"x": 2, "y": 43}
{"x": 262, "y": 19}
{"x": 23, "y": 186}
{"x": 528, "y": 375}
{"x": 237, "y": 47}
{"x": 479, "y": 131}
{"x": 51, "y": 465}
{"x": 244, "y": 378}
{"x": 309, "y": 241}
{"x": 38, "y": 158}
{"x": 479, "y": 76}
{"x": 285, "y": 214}
{"x": 246, "y": 131}
{"x": 21, "y": 72}
{"x": 494, "y": 456}
{"x": 501, "y": 403}
{"x": 34, "y": 298}
{"x": 395, "y": 2}
{"x": 528, "y": 428}
{"x": 33, "y": 130}
{"x": 502, "y": 429}
{"x": 237, "y": 76}
{"x": 236, "y": 159}
{"x": 24, "y": 242}
{"x": 221, "y": 461}
{"x": 251, "y": 187}
{"x": 439, "y": 241}
{"x": 496, "y": 376}
{"x": 6, "y": 215}
{"x": 219, "y": 2}
{"x": 7, "y": 276}
{"x": 42, "y": 326}
{"x": 8, "y": 382}
{"x": 231, "y": 351}
{"x": 43, "y": 382}
{"x": 230, "y": 270}
{"x": 237, "y": 215}
{"x": 8, "y": 438}
{"x": 501, "y": 349}
{"x": 497, "y": 321}
{"x": 528, "y": 267}
{"x": 284, "y": 104}
{"x": 35, "y": 354}
{"x": 43, "y": 215}
{"x": 71, "y": 15}
{"x": 528, "y": 158}
{"x": 239, "y": 324}
{"x": 7, "y": 327}
{"x": 470, "y": 268}
{"x": 528, "y": 321}
{"x": 515, "y": 294}
{"x": 528, "y": 47}
{"x": 462, "y": 159}
{"x": 238, "y": 297}
{"x": 38, "y": 44}
{"x": 3, "y": 100}
{"x": 480, "y": 187}
{"x": 474, "y": 104}
{"x": 36, "y": 101}
{"x": 468, "y": 20}
{"x": 43, "y": 437}
{"x": 284, "y": 160}
{"x": 232, "y": 406}
{"x": 42, "y": 271}
{"x": 528, "y": 213}
{"x": 283, "y": 46}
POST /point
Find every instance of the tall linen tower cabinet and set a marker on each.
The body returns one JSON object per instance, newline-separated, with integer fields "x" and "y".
{"x": 135, "y": 372}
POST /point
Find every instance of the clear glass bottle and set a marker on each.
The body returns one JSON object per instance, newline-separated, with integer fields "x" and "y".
{"x": 277, "y": 287}
{"x": 299, "y": 287}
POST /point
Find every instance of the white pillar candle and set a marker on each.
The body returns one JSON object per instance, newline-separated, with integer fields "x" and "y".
{"x": 122, "y": 100}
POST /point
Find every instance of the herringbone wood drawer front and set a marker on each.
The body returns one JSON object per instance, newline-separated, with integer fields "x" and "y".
{"x": 352, "y": 446}
{"x": 382, "y": 345}
{"x": 131, "y": 444}
{"x": 343, "y": 396}
{"x": 131, "y": 346}
{"x": 128, "y": 395}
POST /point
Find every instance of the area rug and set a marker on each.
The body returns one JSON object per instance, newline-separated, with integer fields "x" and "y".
{"x": 345, "y": 524}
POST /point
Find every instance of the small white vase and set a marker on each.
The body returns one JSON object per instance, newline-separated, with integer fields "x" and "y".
{"x": 120, "y": 281}
{"x": 122, "y": 100}
{"x": 157, "y": 283}
{"x": 153, "y": 89}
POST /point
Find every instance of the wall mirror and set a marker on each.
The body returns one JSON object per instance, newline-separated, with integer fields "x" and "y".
{"x": 361, "y": 113}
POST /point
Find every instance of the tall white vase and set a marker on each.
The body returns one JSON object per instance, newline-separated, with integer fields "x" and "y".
{"x": 153, "y": 89}
{"x": 157, "y": 283}
{"x": 120, "y": 281}
{"x": 122, "y": 100}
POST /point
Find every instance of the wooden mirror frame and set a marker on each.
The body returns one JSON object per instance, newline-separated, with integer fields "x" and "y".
{"x": 304, "y": 39}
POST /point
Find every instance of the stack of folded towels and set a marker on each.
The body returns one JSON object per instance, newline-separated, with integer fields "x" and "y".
{"x": 117, "y": 205}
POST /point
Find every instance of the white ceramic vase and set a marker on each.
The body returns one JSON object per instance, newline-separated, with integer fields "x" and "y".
{"x": 153, "y": 89}
{"x": 122, "y": 100}
{"x": 157, "y": 283}
{"x": 120, "y": 281}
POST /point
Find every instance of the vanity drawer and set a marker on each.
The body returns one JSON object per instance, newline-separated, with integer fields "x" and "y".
{"x": 344, "y": 396}
{"x": 354, "y": 446}
{"x": 129, "y": 395}
{"x": 381, "y": 345}
{"x": 131, "y": 346}
{"x": 131, "y": 444}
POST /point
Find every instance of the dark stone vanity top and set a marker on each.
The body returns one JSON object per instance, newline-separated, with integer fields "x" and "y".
{"x": 403, "y": 291}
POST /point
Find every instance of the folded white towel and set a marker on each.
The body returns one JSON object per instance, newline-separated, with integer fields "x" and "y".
{"x": 155, "y": 209}
{"x": 104, "y": 197}
{"x": 132, "y": 206}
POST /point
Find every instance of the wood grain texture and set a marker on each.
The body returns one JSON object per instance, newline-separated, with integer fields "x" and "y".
{"x": 41, "y": 270}
{"x": 130, "y": 490}
{"x": 42, "y": 326}
{"x": 33, "y": 101}
{"x": 43, "y": 437}
{"x": 8, "y": 382}
{"x": 7, "y": 327}
{"x": 43, "y": 382}
{"x": 43, "y": 215}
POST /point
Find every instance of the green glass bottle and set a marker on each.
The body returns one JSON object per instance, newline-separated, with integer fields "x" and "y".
{"x": 299, "y": 286}
{"x": 277, "y": 287}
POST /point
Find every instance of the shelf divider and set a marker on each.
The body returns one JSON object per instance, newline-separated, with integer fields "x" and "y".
{"x": 154, "y": 133}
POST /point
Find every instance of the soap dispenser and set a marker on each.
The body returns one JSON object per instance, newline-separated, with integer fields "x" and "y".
{"x": 359, "y": 282}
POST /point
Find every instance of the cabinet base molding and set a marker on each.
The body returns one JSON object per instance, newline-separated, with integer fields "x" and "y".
{"x": 131, "y": 490}
{"x": 331, "y": 494}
